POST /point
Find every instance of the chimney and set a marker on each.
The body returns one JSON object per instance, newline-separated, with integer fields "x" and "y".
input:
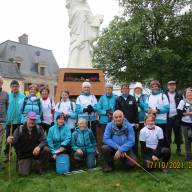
{"x": 23, "y": 39}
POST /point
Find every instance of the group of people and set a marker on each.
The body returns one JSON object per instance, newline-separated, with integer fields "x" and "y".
{"x": 111, "y": 128}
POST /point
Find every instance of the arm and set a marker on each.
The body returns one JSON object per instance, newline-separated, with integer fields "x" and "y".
{"x": 73, "y": 142}
{"x": 67, "y": 138}
{"x": 107, "y": 137}
{"x": 50, "y": 141}
{"x": 100, "y": 107}
{"x": 42, "y": 139}
{"x": 130, "y": 140}
{"x": 165, "y": 107}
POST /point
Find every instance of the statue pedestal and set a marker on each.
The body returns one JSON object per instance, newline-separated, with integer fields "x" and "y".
{"x": 71, "y": 79}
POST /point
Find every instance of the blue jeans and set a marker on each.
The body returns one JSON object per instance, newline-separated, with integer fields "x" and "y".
{"x": 89, "y": 158}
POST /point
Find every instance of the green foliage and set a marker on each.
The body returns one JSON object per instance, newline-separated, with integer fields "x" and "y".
{"x": 153, "y": 41}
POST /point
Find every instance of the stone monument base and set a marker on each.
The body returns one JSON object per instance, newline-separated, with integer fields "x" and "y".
{"x": 71, "y": 79}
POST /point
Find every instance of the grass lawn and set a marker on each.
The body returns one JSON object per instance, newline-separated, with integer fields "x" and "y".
{"x": 135, "y": 180}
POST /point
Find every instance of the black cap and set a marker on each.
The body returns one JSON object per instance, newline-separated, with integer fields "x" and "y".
{"x": 14, "y": 82}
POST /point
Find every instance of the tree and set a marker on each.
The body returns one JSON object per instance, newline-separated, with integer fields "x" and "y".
{"x": 143, "y": 43}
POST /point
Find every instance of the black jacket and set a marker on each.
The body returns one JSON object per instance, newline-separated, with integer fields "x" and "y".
{"x": 178, "y": 98}
{"x": 129, "y": 108}
{"x": 25, "y": 141}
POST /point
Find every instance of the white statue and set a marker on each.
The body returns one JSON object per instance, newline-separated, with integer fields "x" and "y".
{"x": 84, "y": 28}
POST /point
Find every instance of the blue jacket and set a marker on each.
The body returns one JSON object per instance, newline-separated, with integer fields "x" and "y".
{"x": 28, "y": 106}
{"x": 58, "y": 136}
{"x": 83, "y": 140}
{"x": 141, "y": 107}
{"x": 160, "y": 102}
{"x": 105, "y": 103}
{"x": 119, "y": 139}
{"x": 14, "y": 108}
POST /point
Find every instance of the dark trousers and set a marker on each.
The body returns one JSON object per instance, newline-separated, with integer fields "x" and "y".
{"x": 174, "y": 124}
{"x": 89, "y": 158}
{"x": 93, "y": 126}
{"x": 25, "y": 165}
{"x": 108, "y": 156}
{"x": 45, "y": 127}
{"x": 8, "y": 128}
{"x": 165, "y": 135}
{"x": 100, "y": 132}
{"x": 164, "y": 155}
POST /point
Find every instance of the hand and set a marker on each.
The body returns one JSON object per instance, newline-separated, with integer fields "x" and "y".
{"x": 60, "y": 150}
{"x": 117, "y": 155}
{"x": 10, "y": 139}
{"x": 90, "y": 109}
{"x": 54, "y": 156}
{"x": 36, "y": 151}
{"x": 155, "y": 158}
{"x": 85, "y": 110}
{"x": 79, "y": 151}
{"x": 136, "y": 126}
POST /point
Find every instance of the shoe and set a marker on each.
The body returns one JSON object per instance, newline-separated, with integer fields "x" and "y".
{"x": 107, "y": 169}
{"x": 178, "y": 152}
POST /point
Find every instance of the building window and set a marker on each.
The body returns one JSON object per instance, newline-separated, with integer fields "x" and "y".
{"x": 18, "y": 66}
{"x": 42, "y": 71}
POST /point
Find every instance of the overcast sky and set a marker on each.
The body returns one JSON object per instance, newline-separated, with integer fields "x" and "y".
{"x": 46, "y": 22}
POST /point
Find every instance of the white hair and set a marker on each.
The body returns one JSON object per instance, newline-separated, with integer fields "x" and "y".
{"x": 86, "y": 84}
{"x": 82, "y": 120}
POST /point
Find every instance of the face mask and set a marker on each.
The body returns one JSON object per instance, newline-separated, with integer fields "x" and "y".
{"x": 150, "y": 127}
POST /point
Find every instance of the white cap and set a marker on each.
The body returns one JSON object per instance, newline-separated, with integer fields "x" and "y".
{"x": 138, "y": 85}
{"x": 86, "y": 84}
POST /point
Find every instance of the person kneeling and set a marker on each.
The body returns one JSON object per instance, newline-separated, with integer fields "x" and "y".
{"x": 84, "y": 144}
{"x": 118, "y": 139}
{"x": 59, "y": 137}
{"x": 152, "y": 145}
{"x": 30, "y": 145}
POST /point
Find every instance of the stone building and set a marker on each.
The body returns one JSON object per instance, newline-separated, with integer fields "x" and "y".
{"x": 28, "y": 64}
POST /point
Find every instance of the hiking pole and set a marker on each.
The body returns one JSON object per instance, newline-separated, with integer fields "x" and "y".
{"x": 138, "y": 165}
{"x": 10, "y": 134}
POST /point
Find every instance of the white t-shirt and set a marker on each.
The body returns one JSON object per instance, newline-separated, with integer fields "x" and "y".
{"x": 151, "y": 136}
{"x": 173, "y": 108}
{"x": 47, "y": 105}
{"x": 188, "y": 108}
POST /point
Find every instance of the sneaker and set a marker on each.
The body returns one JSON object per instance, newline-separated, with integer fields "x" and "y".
{"x": 107, "y": 169}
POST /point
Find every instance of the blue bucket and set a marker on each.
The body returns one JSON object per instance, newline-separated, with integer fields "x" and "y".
{"x": 62, "y": 164}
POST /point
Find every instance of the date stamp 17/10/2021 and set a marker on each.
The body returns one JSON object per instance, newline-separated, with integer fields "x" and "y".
{"x": 169, "y": 165}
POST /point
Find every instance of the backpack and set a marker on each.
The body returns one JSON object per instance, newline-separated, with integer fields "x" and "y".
{"x": 21, "y": 129}
{"x": 25, "y": 102}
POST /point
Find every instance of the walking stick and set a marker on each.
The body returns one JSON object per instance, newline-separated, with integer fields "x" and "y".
{"x": 138, "y": 165}
{"x": 10, "y": 134}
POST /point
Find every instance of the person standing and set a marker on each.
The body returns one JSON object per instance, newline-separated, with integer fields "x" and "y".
{"x": 4, "y": 100}
{"x": 173, "y": 118}
{"x": 67, "y": 107}
{"x": 128, "y": 105}
{"x": 105, "y": 108}
{"x": 48, "y": 108}
{"x": 185, "y": 111}
{"x": 13, "y": 112}
{"x": 32, "y": 103}
{"x": 158, "y": 105}
{"x": 86, "y": 106}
